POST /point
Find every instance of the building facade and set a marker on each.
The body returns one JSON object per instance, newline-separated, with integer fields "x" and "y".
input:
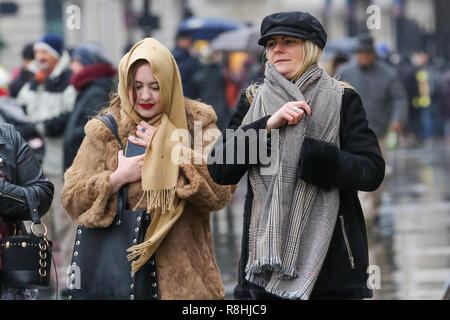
{"x": 117, "y": 23}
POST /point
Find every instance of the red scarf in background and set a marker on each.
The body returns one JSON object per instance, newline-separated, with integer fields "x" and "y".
{"x": 91, "y": 73}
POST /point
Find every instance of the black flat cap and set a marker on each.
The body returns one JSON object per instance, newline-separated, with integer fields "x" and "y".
{"x": 294, "y": 23}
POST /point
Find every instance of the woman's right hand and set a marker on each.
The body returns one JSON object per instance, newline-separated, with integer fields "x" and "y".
{"x": 291, "y": 113}
{"x": 128, "y": 171}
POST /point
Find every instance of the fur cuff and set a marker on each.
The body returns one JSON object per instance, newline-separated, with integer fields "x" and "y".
{"x": 318, "y": 162}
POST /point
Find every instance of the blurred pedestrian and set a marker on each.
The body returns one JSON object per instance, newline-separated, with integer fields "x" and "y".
{"x": 338, "y": 60}
{"x": 210, "y": 84}
{"x": 19, "y": 170}
{"x": 26, "y": 71}
{"x": 238, "y": 74}
{"x": 4, "y": 80}
{"x": 93, "y": 78}
{"x": 385, "y": 103}
{"x": 11, "y": 112}
{"x": 187, "y": 63}
{"x": 445, "y": 106}
{"x": 49, "y": 99}
{"x": 421, "y": 99}
{"x": 178, "y": 198}
{"x": 304, "y": 233}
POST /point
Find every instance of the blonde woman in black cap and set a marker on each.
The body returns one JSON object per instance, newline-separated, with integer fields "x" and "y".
{"x": 304, "y": 233}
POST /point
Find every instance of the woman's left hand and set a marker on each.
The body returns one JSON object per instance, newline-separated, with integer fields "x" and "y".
{"x": 144, "y": 133}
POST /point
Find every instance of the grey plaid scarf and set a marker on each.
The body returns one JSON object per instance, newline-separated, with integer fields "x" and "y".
{"x": 292, "y": 221}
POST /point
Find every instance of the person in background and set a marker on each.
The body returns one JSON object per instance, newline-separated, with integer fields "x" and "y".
{"x": 187, "y": 63}
{"x": 25, "y": 73}
{"x": 384, "y": 100}
{"x": 11, "y": 112}
{"x": 93, "y": 78}
{"x": 445, "y": 106}
{"x": 4, "y": 80}
{"x": 49, "y": 99}
{"x": 210, "y": 84}
{"x": 19, "y": 169}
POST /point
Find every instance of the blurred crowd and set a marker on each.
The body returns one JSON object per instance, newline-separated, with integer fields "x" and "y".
{"x": 56, "y": 90}
{"x": 425, "y": 80}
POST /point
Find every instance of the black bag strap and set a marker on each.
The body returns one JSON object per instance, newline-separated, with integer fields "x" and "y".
{"x": 110, "y": 122}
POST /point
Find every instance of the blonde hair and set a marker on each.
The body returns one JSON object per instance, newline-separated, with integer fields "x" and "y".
{"x": 311, "y": 55}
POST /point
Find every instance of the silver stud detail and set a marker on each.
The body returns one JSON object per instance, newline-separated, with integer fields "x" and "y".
{"x": 136, "y": 230}
{"x": 138, "y": 218}
{"x": 132, "y": 286}
{"x": 69, "y": 298}
{"x": 77, "y": 243}
{"x": 79, "y": 231}
{"x": 155, "y": 296}
{"x": 75, "y": 253}
{"x": 118, "y": 222}
{"x": 154, "y": 285}
{"x": 132, "y": 297}
{"x": 152, "y": 262}
{"x": 153, "y": 274}
{"x": 134, "y": 240}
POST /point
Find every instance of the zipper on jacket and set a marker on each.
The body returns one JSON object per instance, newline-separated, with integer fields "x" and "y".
{"x": 12, "y": 197}
{"x": 347, "y": 244}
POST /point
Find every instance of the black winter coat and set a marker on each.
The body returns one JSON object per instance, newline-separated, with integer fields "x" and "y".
{"x": 210, "y": 84}
{"x": 90, "y": 100}
{"x": 19, "y": 170}
{"x": 188, "y": 67}
{"x": 357, "y": 165}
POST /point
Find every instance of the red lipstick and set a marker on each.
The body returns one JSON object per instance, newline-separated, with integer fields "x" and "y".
{"x": 147, "y": 106}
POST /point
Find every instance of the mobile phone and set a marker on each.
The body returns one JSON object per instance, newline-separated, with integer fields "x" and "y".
{"x": 133, "y": 150}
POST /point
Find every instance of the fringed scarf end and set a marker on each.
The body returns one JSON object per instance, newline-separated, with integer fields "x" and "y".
{"x": 139, "y": 251}
{"x": 163, "y": 199}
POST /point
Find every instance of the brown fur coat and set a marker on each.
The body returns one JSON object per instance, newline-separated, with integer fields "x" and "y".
{"x": 186, "y": 263}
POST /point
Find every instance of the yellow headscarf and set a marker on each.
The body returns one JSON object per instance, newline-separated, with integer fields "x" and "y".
{"x": 159, "y": 172}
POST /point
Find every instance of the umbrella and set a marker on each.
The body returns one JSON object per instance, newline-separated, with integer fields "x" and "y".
{"x": 343, "y": 46}
{"x": 208, "y": 28}
{"x": 242, "y": 39}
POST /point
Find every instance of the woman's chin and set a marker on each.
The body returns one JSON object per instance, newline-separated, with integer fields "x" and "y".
{"x": 147, "y": 114}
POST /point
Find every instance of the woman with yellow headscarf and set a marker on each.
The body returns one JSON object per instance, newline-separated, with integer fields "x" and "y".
{"x": 169, "y": 180}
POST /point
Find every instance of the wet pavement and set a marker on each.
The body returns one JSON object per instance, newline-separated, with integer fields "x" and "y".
{"x": 409, "y": 245}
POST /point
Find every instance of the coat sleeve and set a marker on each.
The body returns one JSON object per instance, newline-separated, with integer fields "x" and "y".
{"x": 29, "y": 175}
{"x": 85, "y": 195}
{"x": 357, "y": 165}
{"x": 227, "y": 171}
{"x": 195, "y": 184}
